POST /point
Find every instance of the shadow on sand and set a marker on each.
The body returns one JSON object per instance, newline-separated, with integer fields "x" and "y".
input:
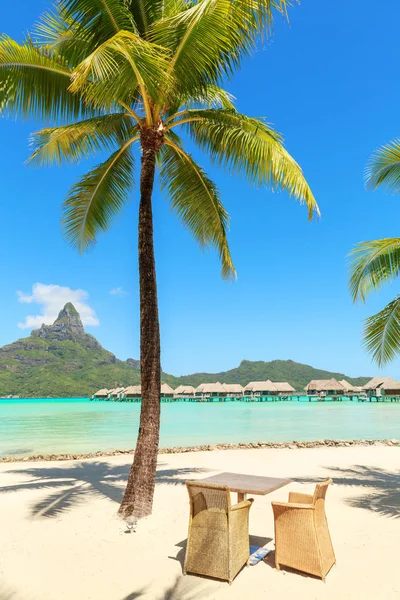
{"x": 184, "y": 588}
{"x": 70, "y": 485}
{"x": 7, "y": 594}
{"x": 380, "y": 488}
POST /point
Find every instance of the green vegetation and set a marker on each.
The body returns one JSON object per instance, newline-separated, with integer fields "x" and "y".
{"x": 376, "y": 262}
{"x": 297, "y": 374}
{"x": 60, "y": 366}
{"x": 62, "y": 361}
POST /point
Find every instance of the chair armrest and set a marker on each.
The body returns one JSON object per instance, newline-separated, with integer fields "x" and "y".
{"x": 300, "y": 498}
{"x": 244, "y": 504}
{"x": 292, "y": 506}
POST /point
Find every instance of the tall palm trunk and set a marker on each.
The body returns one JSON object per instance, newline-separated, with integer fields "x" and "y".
{"x": 138, "y": 497}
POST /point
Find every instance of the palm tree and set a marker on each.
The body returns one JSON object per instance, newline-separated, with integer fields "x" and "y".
{"x": 145, "y": 76}
{"x": 376, "y": 262}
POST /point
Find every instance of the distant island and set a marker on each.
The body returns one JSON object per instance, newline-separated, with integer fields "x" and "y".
{"x": 63, "y": 361}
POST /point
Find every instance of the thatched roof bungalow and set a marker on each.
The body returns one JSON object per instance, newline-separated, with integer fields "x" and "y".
{"x": 283, "y": 388}
{"x": 103, "y": 393}
{"x": 233, "y": 390}
{"x": 116, "y": 392}
{"x": 268, "y": 388}
{"x": 133, "y": 391}
{"x": 260, "y": 388}
{"x": 391, "y": 388}
{"x": 210, "y": 390}
{"x": 330, "y": 387}
{"x": 184, "y": 391}
{"x": 348, "y": 387}
{"x": 166, "y": 391}
{"x": 374, "y": 387}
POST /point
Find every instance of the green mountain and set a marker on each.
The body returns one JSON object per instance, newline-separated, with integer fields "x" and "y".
{"x": 297, "y": 374}
{"x": 61, "y": 360}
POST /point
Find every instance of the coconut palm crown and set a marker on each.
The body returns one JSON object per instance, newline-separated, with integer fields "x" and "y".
{"x": 376, "y": 262}
{"x": 140, "y": 77}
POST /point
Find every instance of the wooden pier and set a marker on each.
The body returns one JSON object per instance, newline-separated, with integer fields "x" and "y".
{"x": 291, "y": 398}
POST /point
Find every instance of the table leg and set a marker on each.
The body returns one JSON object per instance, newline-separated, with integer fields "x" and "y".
{"x": 241, "y": 497}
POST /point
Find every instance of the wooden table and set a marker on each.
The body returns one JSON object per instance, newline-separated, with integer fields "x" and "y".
{"x": 247, "y": 484}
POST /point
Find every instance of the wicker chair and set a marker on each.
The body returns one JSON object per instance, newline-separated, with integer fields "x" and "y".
{"x": 218, "y": 538}
{"x": 302, "y": 539}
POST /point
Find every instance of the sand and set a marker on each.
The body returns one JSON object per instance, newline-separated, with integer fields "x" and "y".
{"x": 60, "y": 538}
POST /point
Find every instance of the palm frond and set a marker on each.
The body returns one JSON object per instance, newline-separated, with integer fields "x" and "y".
{"x": 146, "y": 12}
{"x": 72, "y": 143}
{"x": 120, "y": 66}
{"x": 372, "y": 264}
{"x": 98, "y": 197}
{"x": 382, "y": 333}
{"x": 34, "y": 83}
{"x": 195, "y": 199}
{"x": 383, "y": 167}
{"x": 211, "y": 96}
{"x": 209, "y": 39}
{"x": 102, "y": 18}
{"x": 250, "y": 146}
{"x": 60, "y": 34}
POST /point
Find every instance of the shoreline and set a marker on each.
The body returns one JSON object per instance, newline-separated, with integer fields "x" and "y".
{"x": 205, "y": 447}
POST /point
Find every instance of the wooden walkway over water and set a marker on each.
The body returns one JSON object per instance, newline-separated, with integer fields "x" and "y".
{"x": 291, "y": 398}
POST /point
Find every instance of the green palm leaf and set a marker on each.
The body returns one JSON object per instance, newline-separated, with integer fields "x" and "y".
{"x": 77, "y": 141}
{"x": 383, "y": 167}
{"x": 120, "y": 66}
{"x": 209, "y": 38}
{"x": 195, "y": 199}
{"x": 102, "y": 18}
{"x": 373, "y": 263}
{"x": 212, "y": 96}
{"x": 98, "y": 197}
{"x": 250, "y": 146}
{"x": 146, "y": 12}
{"x": 382, "y": 333}
{"x": 59, "y": 33}
{"x": 35, "y": 83}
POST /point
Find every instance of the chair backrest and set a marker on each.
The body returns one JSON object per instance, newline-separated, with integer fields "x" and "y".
{"x": 206, "y": 496}
{"x": 320, "y": 491}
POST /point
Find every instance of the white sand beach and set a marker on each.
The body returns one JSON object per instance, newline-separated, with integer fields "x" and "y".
{"x": 61, "y": 539}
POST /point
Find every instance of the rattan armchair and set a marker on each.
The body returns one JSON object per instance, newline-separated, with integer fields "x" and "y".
{"x": 218, "y": 538}
{"x": 302, "y": 539}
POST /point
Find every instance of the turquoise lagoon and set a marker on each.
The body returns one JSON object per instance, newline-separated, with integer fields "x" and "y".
{"x": 35, "y": 426}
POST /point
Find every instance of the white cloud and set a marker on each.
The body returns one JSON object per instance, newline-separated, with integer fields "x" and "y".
{"x": 52, "y": 298}
{"x": 118, "y": 291}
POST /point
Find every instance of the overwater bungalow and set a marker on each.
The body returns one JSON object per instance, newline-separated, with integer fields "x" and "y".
{"x": 103, "y": 393}
{"x": 325, "y": 387}
{"x": 210, "y": 390}
{"x": 184, "y": 391}
{"x": 284, "y": 388}
{"x": 133, "y": 391}
{"x": 374, "y": 386}
{"x": 260, "y": 388}
{"x": 233, "y": 390}
{"x": 166, "y": 391}
{"x": 391, "y": 388}
{"x": 349, "y": 388}
{"x": 116, "y": 393}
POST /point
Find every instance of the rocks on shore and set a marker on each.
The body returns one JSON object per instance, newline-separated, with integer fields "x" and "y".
{"x": 207, "y": 447}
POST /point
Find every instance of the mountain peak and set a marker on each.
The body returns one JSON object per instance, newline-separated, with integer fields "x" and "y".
{"x": 67, "y": 326}
{"x": 69, "y": 315}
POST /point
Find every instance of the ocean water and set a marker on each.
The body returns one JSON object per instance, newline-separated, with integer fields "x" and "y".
{"x": 35, "y": 426}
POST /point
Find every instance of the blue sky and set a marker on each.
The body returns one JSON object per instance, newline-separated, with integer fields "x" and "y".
{"x": 330, "y": 83}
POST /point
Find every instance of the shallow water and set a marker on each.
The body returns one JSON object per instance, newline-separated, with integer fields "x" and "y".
{"x": 78, "y": 426}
